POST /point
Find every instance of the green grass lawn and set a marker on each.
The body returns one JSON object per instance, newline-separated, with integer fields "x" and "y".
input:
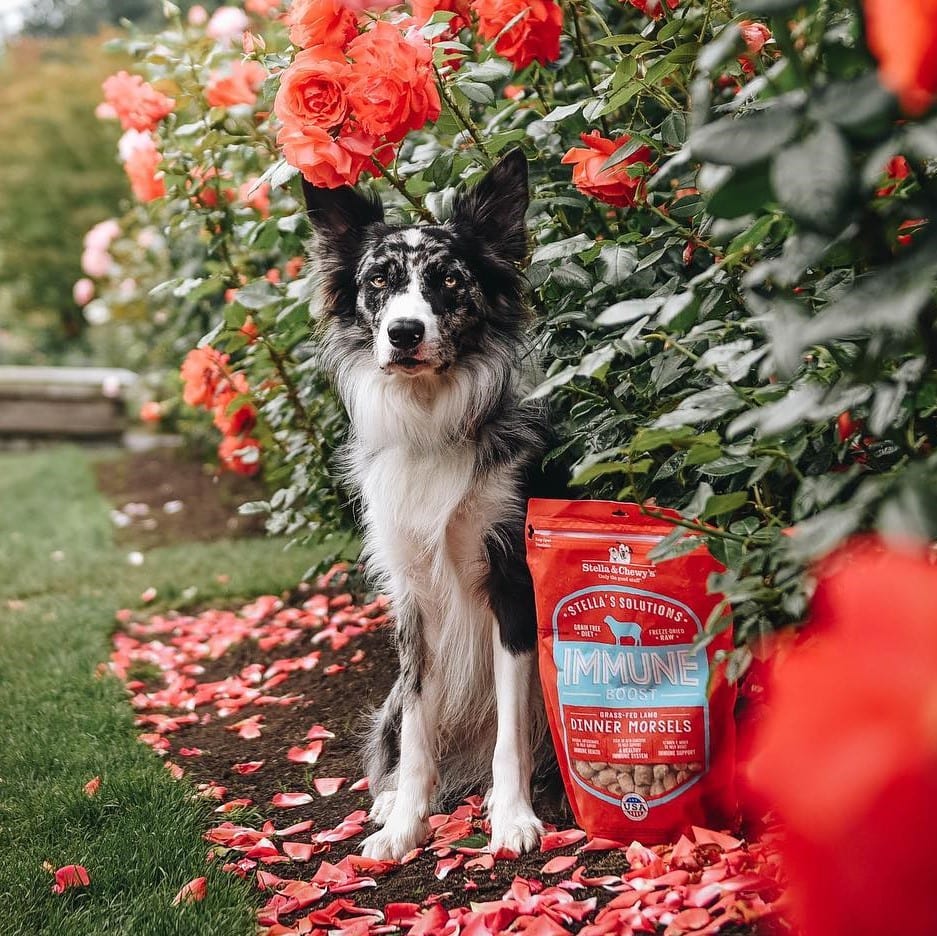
{"x": 61, "y": 725}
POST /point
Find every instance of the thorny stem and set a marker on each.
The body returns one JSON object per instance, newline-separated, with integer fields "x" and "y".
{"x": 694, "y": 525}
{"x": 461, "y": 116}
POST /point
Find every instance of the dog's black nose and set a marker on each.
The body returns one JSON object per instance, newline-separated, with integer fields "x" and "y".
{"x": 405, "y": 334}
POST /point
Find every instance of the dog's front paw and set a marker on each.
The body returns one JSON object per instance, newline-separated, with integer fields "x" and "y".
{"x": 399, "y": 836}
{"x": 383, "y": 806}
{"x": 516, "y": 830}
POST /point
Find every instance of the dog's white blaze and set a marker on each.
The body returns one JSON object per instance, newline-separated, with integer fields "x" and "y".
{"x": 410, "y": 304}
{"x": 413, "y": 236}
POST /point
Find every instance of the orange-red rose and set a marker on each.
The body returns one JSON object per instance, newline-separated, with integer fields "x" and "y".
{"x": 202, "y": 372}
{"x": 327, "y": 161}
{"x": 392, "y": 89}
{"x": 142, "y": 168}
{"x": 233, "y": 421}
{"x": 423, "y": 11}
{"x": 312, "y": 91}
{"x": 534, "y": 38}
{"x": 321, "y": 22}
{"x": 902, "y": 35}
{"x": 239, "y": 85}
{"x": 138, "y": 105}
{"x": 613, "y": 186}
{"x": 241, "y": 456}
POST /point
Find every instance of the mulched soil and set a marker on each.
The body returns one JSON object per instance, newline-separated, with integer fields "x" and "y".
{"x": 218, "y": 688}
{"x": 163, "y": 497}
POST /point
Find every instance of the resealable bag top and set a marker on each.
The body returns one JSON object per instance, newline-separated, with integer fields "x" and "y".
{"x": 641, "y": 714}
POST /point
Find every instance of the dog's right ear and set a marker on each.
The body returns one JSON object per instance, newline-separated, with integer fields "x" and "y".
{"x": 339, "y": 216}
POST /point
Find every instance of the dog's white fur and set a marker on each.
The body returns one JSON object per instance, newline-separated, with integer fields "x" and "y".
{"x": 425, "y": 515}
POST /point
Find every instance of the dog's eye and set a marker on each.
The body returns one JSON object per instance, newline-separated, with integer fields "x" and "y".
{"x": 379, "y": 281}
{"x": 450, "y": 281}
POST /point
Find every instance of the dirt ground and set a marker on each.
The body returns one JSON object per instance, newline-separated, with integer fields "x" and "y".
{"x": 162, "y": 497}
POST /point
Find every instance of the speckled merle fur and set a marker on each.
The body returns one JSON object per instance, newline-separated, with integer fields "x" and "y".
{"x": 444, "y": 451}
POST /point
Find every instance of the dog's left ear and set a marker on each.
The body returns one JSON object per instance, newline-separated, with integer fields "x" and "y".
{"x": 339, "y": 216}
{"x": 493, "y": 211}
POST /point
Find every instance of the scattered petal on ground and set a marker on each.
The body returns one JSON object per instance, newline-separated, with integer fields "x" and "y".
{"x": 70, "y": 876}
{"x": 312, "y": 882}
{"x": 92, "y": 786}
{"x": 191, "y": 892}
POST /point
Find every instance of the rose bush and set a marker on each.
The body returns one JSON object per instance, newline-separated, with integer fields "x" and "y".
{"x": 731, "y": 246}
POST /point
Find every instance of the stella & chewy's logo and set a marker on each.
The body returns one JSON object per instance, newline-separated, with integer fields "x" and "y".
{"x": 634, "y": 806}
{"x": 620, "y": 564}
{"x": 620, "y": 554}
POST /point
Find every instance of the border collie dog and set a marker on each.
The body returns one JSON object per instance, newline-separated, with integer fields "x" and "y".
{"x": 424, "y": 335}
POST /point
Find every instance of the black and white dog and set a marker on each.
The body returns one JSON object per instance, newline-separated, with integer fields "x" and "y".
{"x": 424, "y": 332}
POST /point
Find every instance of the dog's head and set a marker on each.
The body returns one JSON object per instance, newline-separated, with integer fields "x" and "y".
{"x": 421, "y": 298}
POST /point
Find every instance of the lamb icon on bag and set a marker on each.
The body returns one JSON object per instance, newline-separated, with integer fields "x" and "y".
{"x": 622, "y": 629}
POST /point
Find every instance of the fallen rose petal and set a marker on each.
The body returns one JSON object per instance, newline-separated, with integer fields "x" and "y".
{"x": 92, "y": 786}
{"x": 318, "y": 733}
{"x": 190, "y": 752}
{"x": 70, "y": 876}
{"x": 401, "y": 914}
{"x": 328, "y": 786}
{"x": 334, "y": 669}
{"x": 550, "y": 841}
{"x": 193, "y": 891}
{"x": 445, "y": 865}
{"x": 298, "y": 851}
{"x": 600, "y": 845}
{"x": 248, "y": 767}
{"x": 305, "y": 755}
{"x": 692, "y": 919}
{"x": 709, "y": 837}
{"x": 234, "y": 804}
{"x": 481, "y": 863}
{"x": 175, "y": 770}
{"x": 359, "y": 785}
{"x": 431, "y": 922}
{"x": 304, "y": 826}
{"x": 289, "y": 800}
{"x": 559, "y": 864}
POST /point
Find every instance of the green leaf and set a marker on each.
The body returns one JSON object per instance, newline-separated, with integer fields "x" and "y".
{"x": 861, "y": 107}
{"x": 814, "y": 180}
{"x": 594, "y": 364}
{"x": 745, "y": 192}
{"x": 276, "y": 175}
{"x": 746, "y": 140}
{"x": 720, "y": 504}
{"x": 768, "y": 7}
{"x": 561, "y": 249}
{"x": 617, "y": 262}
{"x": 628, "y": 310}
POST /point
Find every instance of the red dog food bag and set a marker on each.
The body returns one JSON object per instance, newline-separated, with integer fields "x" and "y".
{"x": 641, "y": 715}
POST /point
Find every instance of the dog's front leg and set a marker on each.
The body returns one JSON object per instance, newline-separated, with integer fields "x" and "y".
{"x": 514, "y": 825}
{"x": 406, "y": 823}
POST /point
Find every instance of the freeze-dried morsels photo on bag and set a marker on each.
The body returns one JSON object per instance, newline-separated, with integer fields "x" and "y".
{"x": 640, "y": 710}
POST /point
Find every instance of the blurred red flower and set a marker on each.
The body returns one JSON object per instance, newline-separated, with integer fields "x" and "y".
{"x": 262, "y": 7}
{"x": 241, "y": 456}
{"x": 896, "y": 169}
{"x": 653, "y": 8}
{"x": 613, "y": 186}
{"x": 138, "y": 105}
{"x": 202, "y": 371}
{"x": 902, "y": 35}
{"x": 238, "y": 85}
{"x": 535, "y": 37}
{"x": 392, "y": 88}
{"x": 847, "y": 752}
{"x": 142, "y": 168}
{"x": 233, "y": 421}
{"x": 321, "y": 22}
{"x": 151, "y": 412}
